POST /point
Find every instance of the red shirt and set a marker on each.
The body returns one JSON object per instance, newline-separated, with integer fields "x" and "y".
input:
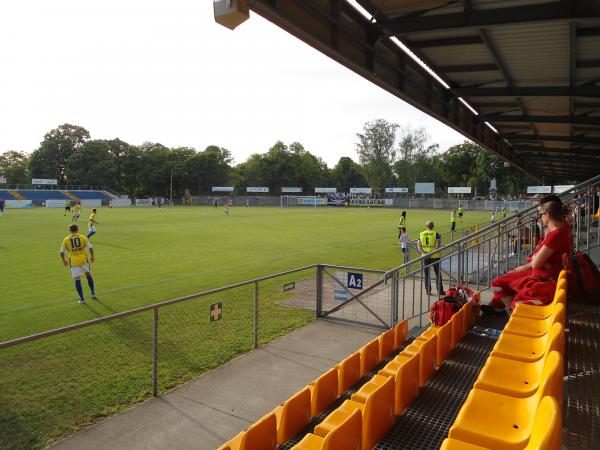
{"x": 561, "y": 242}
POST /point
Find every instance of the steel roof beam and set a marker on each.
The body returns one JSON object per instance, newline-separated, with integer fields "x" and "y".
{"x": 467, "y": 68}
{"x": 448, "y": 42}
{"x": 564, "y": 10}
{"x": 589, "y": 64}
{"x": 595, "y": 31}
{"x": 533, "y": 91}
{"x": 502, "y": 118}
{"x": 571, "y": 139}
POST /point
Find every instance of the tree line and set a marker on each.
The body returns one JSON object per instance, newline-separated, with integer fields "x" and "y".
{"x": 389, "y": 155}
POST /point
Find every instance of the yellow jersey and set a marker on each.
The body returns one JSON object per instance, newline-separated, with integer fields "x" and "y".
{"x": 77, "y": 208}
{"x": 75, "y": 245}
{"x": 428, "y": 240}
{"x": 92, "y": 220}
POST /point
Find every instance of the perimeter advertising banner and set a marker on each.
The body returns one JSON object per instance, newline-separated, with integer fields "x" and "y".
{"x": 424, "y": 188}
{"x": 367, "y": 202}
{"x": 396, "y": 190}
{"x": 539, "y": 189}
{"x": 44, "y": 181}
{"x": 222, "y": 188}
{"x": 256, "y": 189}
{"x": 559, "y": 189}
{"x": 459, "y": 190}
{"x": 143, "y": 202}
{"x": 291, "y": 189}
{"x": 359, "y": 190}
{"x": 19, "y": 204}
{"x": 325, "y": 190}
{"x": 55, "y": 203}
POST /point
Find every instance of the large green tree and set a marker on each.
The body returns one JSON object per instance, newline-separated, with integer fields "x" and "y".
{"x": 92, "y": 164}
{"x": 347, "y": 174}
{"x": 50, "y": 159}
{"x": 376, "y": 151}
{"x": 14, "y": 166}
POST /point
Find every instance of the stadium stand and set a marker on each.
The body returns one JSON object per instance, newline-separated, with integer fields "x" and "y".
{"x": 39, "y": 196}
{"x": 5, "y": 195}
{"x": 92, "y": 195}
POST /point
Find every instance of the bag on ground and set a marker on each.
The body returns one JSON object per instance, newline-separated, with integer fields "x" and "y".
{"x": 443, "y": 310}
{"x": 583, "y": 282}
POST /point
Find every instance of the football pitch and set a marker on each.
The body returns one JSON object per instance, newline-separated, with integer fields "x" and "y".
{"x": 144, "y": 256}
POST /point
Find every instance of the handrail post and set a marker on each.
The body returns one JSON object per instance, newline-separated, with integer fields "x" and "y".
{"x": 256, "y": 314}
{"x": 319, "y": 291}
{"x": 155, "y": 353}
{"x": 394, "y": 298}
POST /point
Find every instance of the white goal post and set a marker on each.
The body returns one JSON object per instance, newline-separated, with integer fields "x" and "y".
{"x": 302, "y": 200}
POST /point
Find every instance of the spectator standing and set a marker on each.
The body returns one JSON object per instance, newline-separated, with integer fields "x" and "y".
{"x": 453, "y": 217}
{"x": 430, "y": 241}
{"x": 404, "y": 245}
{"x": 401, "y": 223}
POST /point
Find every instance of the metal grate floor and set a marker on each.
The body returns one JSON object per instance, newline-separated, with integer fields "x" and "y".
{"x": 424, "y": 424}
{"x": 583, "y": 378}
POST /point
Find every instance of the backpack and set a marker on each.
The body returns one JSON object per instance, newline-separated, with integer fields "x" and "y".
{"x": 442, "y": 310}
{"x": 583, "y": 282}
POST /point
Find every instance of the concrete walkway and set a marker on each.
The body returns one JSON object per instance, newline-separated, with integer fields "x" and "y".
{"x": 205, "y": 412}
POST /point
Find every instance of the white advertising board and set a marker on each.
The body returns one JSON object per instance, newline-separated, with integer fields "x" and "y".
{"x": 91, "y": 203}
{"x": 562, "y": 188}
{"x": 120, "y": 202}
{"x": 389, "y": 202}
{"x": 55, "y": 203}
{"x": 396, "y": 190}
{"x": 257, "y": 189}
{"x": 359, "y": 190}
{"x": 539, "y": 189}
{"x": 424, "y": 188}
{"x": 222, "y": 188}
{"x": 2, "y": 180}
{"x": 325, "y": 190}
{"x": 143, "y": 202}
{"x": 291, "y": 189}
{"x": 19, "y": 204}
{"x": 459, "y": 190}
{"x": 43, "y": 181}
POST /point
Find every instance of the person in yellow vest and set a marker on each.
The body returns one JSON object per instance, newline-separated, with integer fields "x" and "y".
{"x": 430, "y": 241}
{"x": 401, "y": 224}
{"x": 461, "y": 211}
{"x": 504, "y": 212}
{"x": 453, "y": 217}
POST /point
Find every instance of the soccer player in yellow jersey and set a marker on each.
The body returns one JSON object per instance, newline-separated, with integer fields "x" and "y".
{"x": 92, "y": 224}
{"x": 75, "y": 245}
{"x": 77, "y": 212}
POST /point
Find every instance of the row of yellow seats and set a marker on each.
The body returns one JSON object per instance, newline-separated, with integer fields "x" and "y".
{"x": 294, "y": 414}
{"x": 516, "y": 400}
{"x": 361, "y": 421}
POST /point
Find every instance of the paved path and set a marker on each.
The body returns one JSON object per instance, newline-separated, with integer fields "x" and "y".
{"x": 211, "y": 409}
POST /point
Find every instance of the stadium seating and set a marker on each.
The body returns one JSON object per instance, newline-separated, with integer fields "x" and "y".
{"x": 404, "y": 369}
{"x": 41, "y": 195}
{"x": 513, "y": 346}
{"x": 5, "y": 195}
{"x": 369, "y": 356}
{"x": 323, "y": 391}
{"x": 444, "y": 337}
{"x": 91, "y": 195}
{"x": 348, "y": 372}
{"x": 293, "y": 415}
{"x": 541, "y": 312}
{"x": 545, "y": 434}
{"x": 262, "y": 435}
{"x": 400, "y": 333}
{"x": 386, "y": 344}
{"x": 458, "y": 328}
{"x": 347, "y": 435}
{"x": 427, "y": 350}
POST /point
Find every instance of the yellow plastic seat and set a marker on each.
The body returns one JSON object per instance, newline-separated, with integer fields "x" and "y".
{"x": 261, "y": 435}
{"x": 377, "y": 411}
{"x": 323, "y": 392}
{"x": 292, "y": 415}
{"x": 526, "y": 349}
{"x": 369, "y": 356}
{"x": 545, "y": 435}
{"x": 348, "y": 372}
{"x": 563, "y": 274}
{"x": 517, "y": 378}
{"x": 494, "y": 420}
{"x": 405, "y": 371}
{"x": 540, "y": 312}
{"x": 386, "y": 343}
{"x": 535, "y": 327}
{"x": 224, "y": 447}
{"x": 471, "y": 314}
{"x": 444, "y": 337}
{"x": 400, "y": 333}
{"x": 458, "y": 331}
{"x": 346, "y": 436}
{"x": 427, "y": 350}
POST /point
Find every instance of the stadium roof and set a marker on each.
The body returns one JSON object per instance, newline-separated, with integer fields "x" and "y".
{"x": 521, "y": 78}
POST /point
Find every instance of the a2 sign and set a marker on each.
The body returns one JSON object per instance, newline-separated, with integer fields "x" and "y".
{"x": 355, "y": 280}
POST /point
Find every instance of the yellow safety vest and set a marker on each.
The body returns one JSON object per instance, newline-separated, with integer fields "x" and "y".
{"x": 402, "y": 222}
{"x": 428, "y": 239}
{"x": 452, "y": 218}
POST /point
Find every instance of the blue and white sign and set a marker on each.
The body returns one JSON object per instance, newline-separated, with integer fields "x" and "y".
{"x": 539, "y": 189}
{"x": 325, "y": 190}
{"x": 19, "y": 204}
{"x": 361, "y": 190}
{"x": 222, "y": 188}
{"x": 355, "y": 280}
{"x": 340, "y": 295}
{"x": 291, "y": 189}
{"x": 257, "y": 189}
{"x": 396, "y": 190}
{"x": 44, "y": 181}
{"x": 424, "y": 188}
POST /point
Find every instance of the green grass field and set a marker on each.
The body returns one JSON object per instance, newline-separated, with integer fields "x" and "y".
{"x": 50, "y": 388}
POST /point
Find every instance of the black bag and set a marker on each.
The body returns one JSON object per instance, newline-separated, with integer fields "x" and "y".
{"x": 583, "y": 282}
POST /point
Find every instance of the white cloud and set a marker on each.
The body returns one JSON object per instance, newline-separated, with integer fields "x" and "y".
{"x": 166, "y": 72}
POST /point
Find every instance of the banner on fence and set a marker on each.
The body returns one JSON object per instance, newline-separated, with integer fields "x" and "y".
{"x": 367, "y": 202}
{"x": 311, "y": 201}
{"x": 256, "y": 189}
{"x": 424, "y": 188}
{"x": 325, "y": 190}
{"x": 539, "y": 189}
{"x": 389, "y": 202}
{"x": 91, "y": 203}
{"x": 44, "y": 181}
{"x": 120, "y": 202}
{"x": 291, "y": 189}
{"x": 143, "y": 202}
{"x": 359, "y": 190}
{"x": 339, "y": 293}
{"x": 19, "y": 204}
{"x": 562, "y": 188}
{"x": 396, "y": 190}
{"x": 222, "y": 188}
{"x": 459, "y": 190}
{"x": 55, "y": 203}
